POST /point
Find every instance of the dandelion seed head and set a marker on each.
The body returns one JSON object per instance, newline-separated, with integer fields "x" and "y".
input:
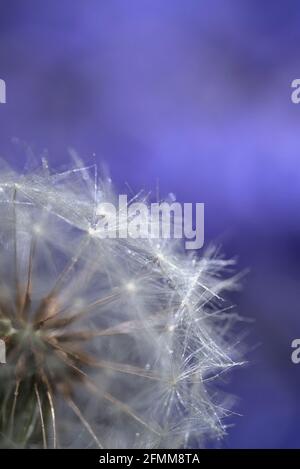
{"x": 110, "y": 342}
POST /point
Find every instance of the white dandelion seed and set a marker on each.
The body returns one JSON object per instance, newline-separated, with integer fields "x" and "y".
{"x": 110, "y": 342}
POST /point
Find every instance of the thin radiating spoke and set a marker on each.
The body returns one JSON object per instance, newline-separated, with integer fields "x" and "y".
{"x": 15, "y": 241}
{"x": 63, "y": 322}
{"x": 41, "y": 415}
{"x": 47, "y": 302}
{"x": 121, "y": 405}
{"x": 27, "y": 296}
{"x": 107, "y": 396}
{"x": 13, "y": 410}
{"x": 52, "y": 417}
{"x": 86, "y": 424}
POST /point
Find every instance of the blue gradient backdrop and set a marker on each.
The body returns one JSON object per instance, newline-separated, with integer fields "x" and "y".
{"x": 196, "y": 94}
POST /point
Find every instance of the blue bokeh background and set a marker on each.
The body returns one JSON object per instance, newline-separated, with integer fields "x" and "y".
{"x": 197, "y": 95}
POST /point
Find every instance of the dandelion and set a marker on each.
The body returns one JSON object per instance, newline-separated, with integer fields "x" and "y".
{"x": 109, "y": 342}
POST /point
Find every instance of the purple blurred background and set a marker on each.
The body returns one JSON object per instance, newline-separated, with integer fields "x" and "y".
{"x": 197, "y": 95}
